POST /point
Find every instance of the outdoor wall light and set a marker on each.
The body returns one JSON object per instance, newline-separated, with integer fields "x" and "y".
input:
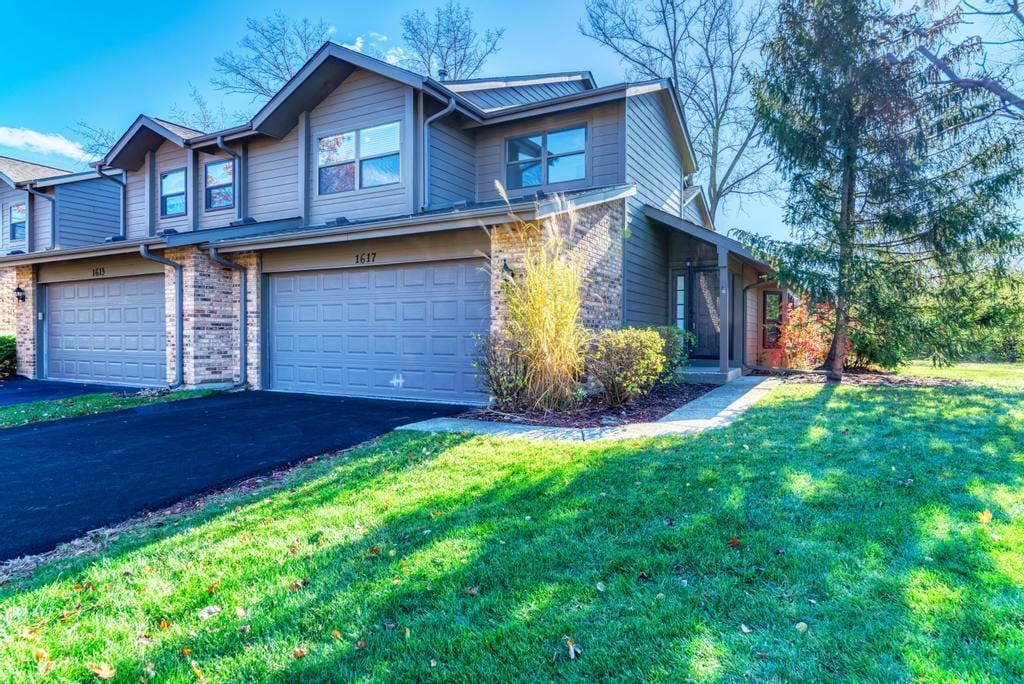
{"x": 19, "y": 294}
{"x": 506, "y": 269}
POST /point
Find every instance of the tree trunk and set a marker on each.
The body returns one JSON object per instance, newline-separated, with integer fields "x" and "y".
{"x": 836, "y": 361}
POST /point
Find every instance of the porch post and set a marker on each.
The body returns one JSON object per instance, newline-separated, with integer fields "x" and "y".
{"x": 723, "y": 309}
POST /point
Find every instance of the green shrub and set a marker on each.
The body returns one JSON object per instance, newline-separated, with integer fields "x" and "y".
{"x": 503, "y": 373}
{"x": 627, "y": 362}
{"x": 676, "y": 350}
{"x": 8, "y": 358}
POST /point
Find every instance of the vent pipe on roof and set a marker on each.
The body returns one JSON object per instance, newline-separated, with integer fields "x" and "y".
{"x": 442, "y": 74}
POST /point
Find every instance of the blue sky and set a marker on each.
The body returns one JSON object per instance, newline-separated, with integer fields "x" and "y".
{"x": 107, "y": 63}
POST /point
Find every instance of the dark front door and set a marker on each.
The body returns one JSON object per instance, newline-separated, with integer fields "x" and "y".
{"x": 704, "y": 315}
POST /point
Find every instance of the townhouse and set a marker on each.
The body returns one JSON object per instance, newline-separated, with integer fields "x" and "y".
{"x": 351, "y": 237}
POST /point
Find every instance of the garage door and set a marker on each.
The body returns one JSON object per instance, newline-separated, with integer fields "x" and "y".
{"x": 404, "y": 332}
{"x": 109, "y": 331}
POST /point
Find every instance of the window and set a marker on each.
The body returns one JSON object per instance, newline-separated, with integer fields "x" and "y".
{"x": 220, "y": 185}
{"x": 681, "y": 300}
{"x": 172, "y": 193}
{"x": 367, "y": 158}
{"x": 19, "y": 222}
{"x": 546, "y": 158}
{"x": 772, "y": 317}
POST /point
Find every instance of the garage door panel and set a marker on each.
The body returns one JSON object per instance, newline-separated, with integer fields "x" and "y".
{"x": 405, "y": 331}
{"x": 109, "y": 331}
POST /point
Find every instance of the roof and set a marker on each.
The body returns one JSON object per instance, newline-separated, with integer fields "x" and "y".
{"x": 183, "y": 131}
{"x": 490, "y": 82}
{"x": 701, "y": 233}
{"x": 13, "y": 171}
{"x": 492, "y": 94}
{"x": 144, "y": 135}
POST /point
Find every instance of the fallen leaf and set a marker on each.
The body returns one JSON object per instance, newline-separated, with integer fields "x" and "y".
{"x": 198, "y": 673}
{"x": 208, "y": 612}
{"x": 297, "y": 585}
{"x": 239, "y": 612}
{"x": 374, "y": 550}
{"x": 43, "y": 662}
{"x": 643, "y": 576}
{"x": 574, "y": 650}
{"x": 335, "y": 634}
{"x": 361, "y": 644}
{"x": 735, "y": 543}
{"x": 985, "y": 517}
{"x": 599, "y": 586}
{"x": 102, "y": 670}
{"x": 145, "y": 639}
{"x": 408, "y": 633}
{"x": 300, "y": 652}
{"x": 186, "y": 652}
{"x": 473, "y": 591}
{"x": 164, "y": 624}
{"x": 244, "y": 629}
{"x": 668, "y": 522}
{"x": 28, "y": 634}
{"x": 213, "y": 587}
{"x": 433, "y": 662}
{"x": 744, "y": 629}
{"x": 801, "y": 626}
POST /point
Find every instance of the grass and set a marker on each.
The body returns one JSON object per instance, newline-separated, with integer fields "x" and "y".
{"x": 86, "y": 404}
{"x": 1000, "y": 374}
{"x": 831, "y": 534}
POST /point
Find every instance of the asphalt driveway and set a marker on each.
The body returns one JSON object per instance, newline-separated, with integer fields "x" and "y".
{"x": 63, "y": 478}
{"x": 19, "y": 390}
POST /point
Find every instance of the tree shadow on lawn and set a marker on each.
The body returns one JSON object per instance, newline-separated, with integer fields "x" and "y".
{"x": 854, "y": 511}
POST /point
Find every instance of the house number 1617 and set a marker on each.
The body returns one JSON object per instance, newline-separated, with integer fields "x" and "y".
{"x": 366, "y": 257}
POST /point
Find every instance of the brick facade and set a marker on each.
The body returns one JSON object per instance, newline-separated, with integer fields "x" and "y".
{"x": 25, "y": 318}
{"x": 595, "y": 235}
{"x": 8, "y": 304}
{"x": 210, "y": 328}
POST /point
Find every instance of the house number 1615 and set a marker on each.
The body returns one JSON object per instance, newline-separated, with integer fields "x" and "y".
{"x": 366, "y": 257}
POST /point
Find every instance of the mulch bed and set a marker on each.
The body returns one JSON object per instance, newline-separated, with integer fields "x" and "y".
{"x": 872, "y": 378}
{"x": 661, "y": 401}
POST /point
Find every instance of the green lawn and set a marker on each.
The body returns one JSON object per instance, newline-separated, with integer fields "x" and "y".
{"x": 831, "y": 534}
{"x": 998, "y": 374}
{"x": 86, "y": 404}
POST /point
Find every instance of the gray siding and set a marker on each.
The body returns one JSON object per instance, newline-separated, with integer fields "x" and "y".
{"x": 500, "y": 98}
{"x": 40, "y": 222}
{"x": 452, "y": 165}
{"x": 87, "y": 211}
{"x": 605, "y": 146}
{"x": 170, "y": 157}
{"x": 273, "y": 178}
{"x": 655, "y": 164}
{"x": 137, "y": 224}
{"x": 363, "y": 99}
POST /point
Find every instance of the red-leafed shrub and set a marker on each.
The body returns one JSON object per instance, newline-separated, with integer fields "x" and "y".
{"x": 805, "y": 334}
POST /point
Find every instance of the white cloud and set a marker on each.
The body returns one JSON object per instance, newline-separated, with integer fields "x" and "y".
{"x": 379, "y": 37}
{"x": 396, "y": 55}
{"x": 356, "y": 45}
{"x": 332, "y": 29}
{"x": 43, "y": 143}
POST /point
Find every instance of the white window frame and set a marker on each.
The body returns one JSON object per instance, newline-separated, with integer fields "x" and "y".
{"x": 357, "y": 160}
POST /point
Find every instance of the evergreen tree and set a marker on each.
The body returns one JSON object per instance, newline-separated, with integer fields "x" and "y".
{"x": 898, "y": 182}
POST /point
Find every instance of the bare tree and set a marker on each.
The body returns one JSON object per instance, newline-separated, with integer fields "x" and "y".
{"x": 95, "y": 140}
{"x": 203, "y": 116}
{"x": 447, "y": 42}
{"x": 274, "y": 48}
{"x": 706, "y": 47}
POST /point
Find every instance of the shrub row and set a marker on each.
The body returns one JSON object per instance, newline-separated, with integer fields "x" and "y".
{"x": 8, "y": 360}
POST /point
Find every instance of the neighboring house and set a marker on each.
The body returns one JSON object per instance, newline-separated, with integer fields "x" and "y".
{"x": 339, "y": 242}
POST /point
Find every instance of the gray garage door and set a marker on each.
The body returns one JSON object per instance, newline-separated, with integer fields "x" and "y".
{"x": 404, "y": 332}
{"x": 109, "y": 331}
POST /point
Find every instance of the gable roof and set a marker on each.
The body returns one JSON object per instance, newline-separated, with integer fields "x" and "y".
{"x": 14, "y": 171}
{"x": 145, "y": 134}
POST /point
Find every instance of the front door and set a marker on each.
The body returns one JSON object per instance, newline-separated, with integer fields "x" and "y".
{"x": 705, "y": 322}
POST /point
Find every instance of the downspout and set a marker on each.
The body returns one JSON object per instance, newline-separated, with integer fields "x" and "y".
{"x": 179, "y": 342}
{"x": 124, "y": 200}
{"x": 237, "y": 180}
{"x": 243, "y": 314}
{"x": 53, "y": 218}
{"x": 426, "y": 150}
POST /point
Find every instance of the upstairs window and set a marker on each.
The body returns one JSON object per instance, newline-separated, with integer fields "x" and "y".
{"x": 19, "y": 221}
{"x": 172, "y": 193}
{"x": 365, "y": 158}
{"x": 546, "y": 158}
{"x": 220, "y": 185}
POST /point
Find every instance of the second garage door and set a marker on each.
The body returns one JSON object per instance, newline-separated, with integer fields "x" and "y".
{"x": 404, "y": 332}
{"x": 107, "y": 331}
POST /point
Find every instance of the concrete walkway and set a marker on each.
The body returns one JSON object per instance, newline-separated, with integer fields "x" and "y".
{"x": 718, "y": 408}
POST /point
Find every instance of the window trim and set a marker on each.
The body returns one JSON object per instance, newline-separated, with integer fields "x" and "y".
{"x": 11, "y": 223}
{"x": 545, "y": 157}
{"x": 770, "y": 325}
{"x": 357, "y": 160}
{"x": 183, "y": 193}
{"x": 207, "y": 187}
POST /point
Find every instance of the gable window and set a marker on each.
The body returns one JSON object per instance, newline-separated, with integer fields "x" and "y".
{"x": 364, "y": 158}
{"x": 220, "y": 185}
{"x": 172, "y": 193}
{"x": 771, "y": 318}
{"x": 546, "y": 158}
{"x": 19, "y": 221}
